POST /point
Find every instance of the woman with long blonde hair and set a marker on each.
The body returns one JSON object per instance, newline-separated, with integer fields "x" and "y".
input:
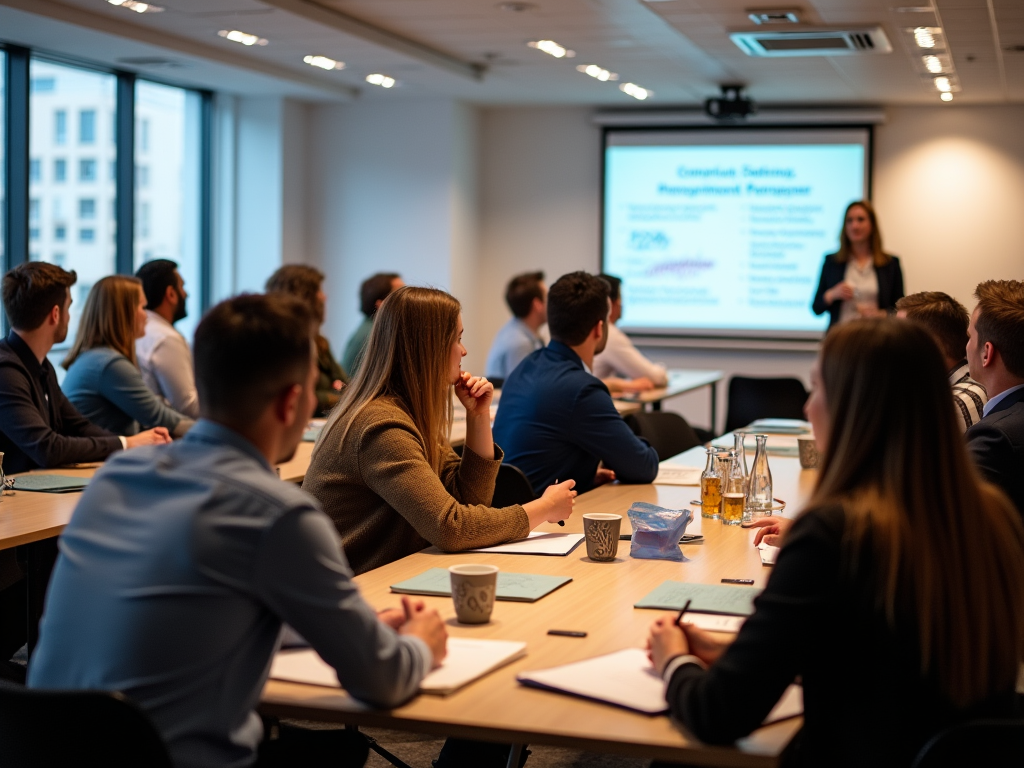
{"x": 103, "y": 380}
{"x": 898, "y": 594}
{"x": 383, "y": 467}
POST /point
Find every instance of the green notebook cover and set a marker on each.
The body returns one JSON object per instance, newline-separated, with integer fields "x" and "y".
{"x": 50, "y": 483}
{"x": 516, "y": 587}
{"x": 706, "y": 598}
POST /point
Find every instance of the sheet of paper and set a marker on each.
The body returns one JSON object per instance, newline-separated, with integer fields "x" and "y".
{"x": 467, "y": 660}
{"x": 518, "y": 587}
{"x": 791, "y": 704}
{"x": 768, "y": 553}
{"x": 786, "y": 426}
{"x": 715, "y": 622}
{"x": 672, "y": 475}
{"x": 538, "y": 543}
{"x": 706, "y": 598}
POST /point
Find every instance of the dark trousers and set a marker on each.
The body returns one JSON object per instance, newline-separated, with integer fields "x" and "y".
{"x": 285, "y": 746}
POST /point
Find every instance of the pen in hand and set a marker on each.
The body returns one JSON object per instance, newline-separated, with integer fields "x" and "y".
{"x": 682, "y": 611}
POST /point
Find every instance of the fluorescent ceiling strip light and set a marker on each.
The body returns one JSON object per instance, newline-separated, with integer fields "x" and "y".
{"x": 943, "y": 84}
{"x": 925, "y": 37}
{"x": 132, "y": 5}
{"x": 634, "y": 90}
{"x": 596, "y": 72}
{"x": 323, "y": 62}
{"x": 946, "y": 96}
{"x": 552, "y": 48}
{"x": 933, "y": 64}
{"x": 242, "y": 37}
{"x": 382, "y": 80}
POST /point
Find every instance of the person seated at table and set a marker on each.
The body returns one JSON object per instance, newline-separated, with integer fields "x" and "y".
{"x": 307, "y": 283}
{"x": 182, "y": 563}
{"x": 898, "y": 595}
{"x": 526, "y": 296}
{"x": 103, "y": 380}
{"x": 620, "y": 365}
{"x": 383, "y": 468}
{"x": 995, "y": 354}
{"x": 372, "y": 293}
{"x": 165, "y": 359}
{"x": 948, "y": 320}
{"x": 557, "y": 420}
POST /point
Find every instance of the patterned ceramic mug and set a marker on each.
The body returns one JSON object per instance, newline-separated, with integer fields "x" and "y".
{"x": 808, "y": 452}
{"x": 473, "y": 592}
{"x": 602, "y": 532}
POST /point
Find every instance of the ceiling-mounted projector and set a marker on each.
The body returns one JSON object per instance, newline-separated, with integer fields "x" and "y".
{"x": 731, "y": 105}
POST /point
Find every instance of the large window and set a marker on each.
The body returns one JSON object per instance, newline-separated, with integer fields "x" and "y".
{"x": 57, "y": 91}
{"x": 168, "y": 132}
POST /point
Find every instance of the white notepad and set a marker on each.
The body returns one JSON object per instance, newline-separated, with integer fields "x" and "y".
{"x": 672, "y": 475}
{"x": 467, "y": 660}
{"x": 627, "y": 679}
{"x": 538, "y": 543}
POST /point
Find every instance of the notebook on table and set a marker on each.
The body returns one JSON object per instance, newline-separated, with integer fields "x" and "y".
{"x": 49, "y": 483}
{"x": 705, "y": 598}
{"x": 537, "y": 543}
{"x": 467, "y": 660}
{"x": 516, "y": 587}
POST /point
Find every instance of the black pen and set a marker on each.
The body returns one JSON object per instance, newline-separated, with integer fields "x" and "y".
{"x": 560, "y": 522}
{"x": 737, "y": 581}
{"x": 679, "y": 618}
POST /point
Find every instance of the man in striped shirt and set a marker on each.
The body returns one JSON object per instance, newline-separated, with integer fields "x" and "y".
{"x": 947, "y": 320}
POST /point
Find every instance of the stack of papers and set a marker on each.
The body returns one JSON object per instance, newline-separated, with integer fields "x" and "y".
{"x": 768, "y": 553}
{"x": 673, "y": 475}
{"x": 705, "y": 598}
{"x": 781, "y": 426}
{"x": 467, "y": 660}
{"x": 627, "y": 679}
{"x": 49, "y": 483}
{"x": 537, "y": 543}
{"x": 516, "y": 587}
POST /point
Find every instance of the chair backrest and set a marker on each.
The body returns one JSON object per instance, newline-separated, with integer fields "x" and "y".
{"x": 75, "y": 729}
{"x": 511, "y": 487}
{"x": 751, "y": 399}
{"x": 991, "y": 743}
{"x": 668, "y": 433}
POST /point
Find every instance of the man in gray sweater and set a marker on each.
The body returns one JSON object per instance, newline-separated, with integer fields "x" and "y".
{"x": 182, "y": 563}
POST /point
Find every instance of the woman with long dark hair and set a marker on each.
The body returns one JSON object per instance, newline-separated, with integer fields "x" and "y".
{"x": 898, "y": 594}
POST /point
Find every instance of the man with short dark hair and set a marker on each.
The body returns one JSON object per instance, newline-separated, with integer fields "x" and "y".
{"x": 163, "y": 354}
{"x": 556, "y": 420}
{"x": 995, "y": 353}
{"x": 947, "y": 320}
{"x": 182, "y": 563}
{"x": 372, "y": 293}
{"x": 526, "y": 296}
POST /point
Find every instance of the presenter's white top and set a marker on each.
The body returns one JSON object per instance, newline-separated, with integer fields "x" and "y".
{"x": 865, "y": 289}
{"x": 166, "y": 364}
{"x": 621, "y": 358}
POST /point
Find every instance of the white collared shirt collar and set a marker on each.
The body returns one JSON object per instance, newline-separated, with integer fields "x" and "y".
{"x": 995, "y": 400}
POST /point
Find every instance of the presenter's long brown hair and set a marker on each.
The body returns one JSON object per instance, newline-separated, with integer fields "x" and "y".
{"x": 108, "y": 318}
{"x": 881, "y": 258}
{"x": 407, "y": 356}
{"x": 943, "y": 543}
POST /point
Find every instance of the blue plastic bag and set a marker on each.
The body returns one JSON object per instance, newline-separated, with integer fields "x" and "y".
{"x": 656, "y": 531}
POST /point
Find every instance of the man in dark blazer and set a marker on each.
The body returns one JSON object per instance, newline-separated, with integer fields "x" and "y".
{"x": 995, "y": 354}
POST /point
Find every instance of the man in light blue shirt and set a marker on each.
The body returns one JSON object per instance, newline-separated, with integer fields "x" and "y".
{"x": 180, "y": 565}
{"x": 526, "y": 296}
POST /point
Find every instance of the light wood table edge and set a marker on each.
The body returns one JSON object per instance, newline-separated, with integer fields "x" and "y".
{"x": 286, "y": 700}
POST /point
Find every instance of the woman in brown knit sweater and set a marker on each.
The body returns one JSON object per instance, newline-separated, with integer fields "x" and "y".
{"x": 383, "y": 468}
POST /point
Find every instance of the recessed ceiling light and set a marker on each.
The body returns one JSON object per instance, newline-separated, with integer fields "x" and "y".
{"x": 634, "y": 90}
{"x": 242, "y": 37}
{"x": 552, "y": 48}
{"x": 323, "y": 62}
{"x": 131, "y": 5}
{"x": 947, "y": 96}
{"x": 943, "y": 84}
{"x": 597, "y": 72}
{"x": 933, "y": 64}
{"x": 925, "y": 36}
{"x": 382, "y": 80}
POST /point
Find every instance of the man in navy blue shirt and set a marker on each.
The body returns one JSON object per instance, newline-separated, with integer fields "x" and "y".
{"x": 556, "y": 420}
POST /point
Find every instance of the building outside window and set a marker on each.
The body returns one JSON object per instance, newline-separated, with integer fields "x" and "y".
{"x": 87, "y": 170}
{"x": 87, "y": 236}
{"x": 87, "y": 208}
{"x": 33, "y": 233}
{"x": 33, "y": 209}
{"x": 60, "y": 233}
{"x": 60, "y": 170}
{"x": 35, "y": 170}
{"x": 87, "y": 126}
{"x": 60, "y": 127}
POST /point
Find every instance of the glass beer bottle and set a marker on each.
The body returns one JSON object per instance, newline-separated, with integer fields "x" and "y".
{"x": 711, "y": 487}
{"x": 759, "y": 486}
{"x": 733, "y": 492}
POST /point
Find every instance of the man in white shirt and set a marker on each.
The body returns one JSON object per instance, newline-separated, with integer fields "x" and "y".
{"x": 621, "y": 366}
{"x": 163, "y": 354}
{"x": 947, "y": 321}
{"x": 527, "y": 297}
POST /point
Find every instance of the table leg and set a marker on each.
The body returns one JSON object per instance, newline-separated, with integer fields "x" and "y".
{"x": 714, "y": 407}
{"x": 37, "y": 559}
{"x": 514, "y": 755}
{"x": 656, "y": 405}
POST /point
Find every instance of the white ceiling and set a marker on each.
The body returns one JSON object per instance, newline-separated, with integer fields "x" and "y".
{"x": 679, "y": 49}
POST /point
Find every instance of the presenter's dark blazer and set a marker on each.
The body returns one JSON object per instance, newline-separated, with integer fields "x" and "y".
{"x": 997, "y": 445}
{"x": 890, "y": 286}
{"x": 866, "y": 702}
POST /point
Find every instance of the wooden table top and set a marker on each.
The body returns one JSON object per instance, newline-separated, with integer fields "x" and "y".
{"x": 27, "y": 516}
{"x": 599, "y": 601}
{"x": 679, "y": 382}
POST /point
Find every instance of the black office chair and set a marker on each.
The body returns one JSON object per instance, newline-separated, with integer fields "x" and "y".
{"x": 75, "y": 729}
{"x": 751, "y": 399}
{"x": 511, "y": 487}
{"x": 668, "y": 433}
{"x": 991, "y": 743}
{"x": 498, "y": 383}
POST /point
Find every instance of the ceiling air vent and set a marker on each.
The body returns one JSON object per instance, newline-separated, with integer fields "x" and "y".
{"x": 817, "y": 41}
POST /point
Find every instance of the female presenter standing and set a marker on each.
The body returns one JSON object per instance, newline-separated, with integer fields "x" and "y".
{"x": 860, "y": 279}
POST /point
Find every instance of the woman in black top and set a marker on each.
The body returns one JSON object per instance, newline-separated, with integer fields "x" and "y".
{"x": 898, "y": 595}
{"x": 860, "y": 279}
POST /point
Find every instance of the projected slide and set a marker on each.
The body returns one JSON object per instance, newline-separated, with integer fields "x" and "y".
{"x": 728, "y": 238}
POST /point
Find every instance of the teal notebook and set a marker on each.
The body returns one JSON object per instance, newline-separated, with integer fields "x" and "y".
{"x": 707, "y": 598}
{"x": 517, "y": 587}
{"x": 50, "y": 483}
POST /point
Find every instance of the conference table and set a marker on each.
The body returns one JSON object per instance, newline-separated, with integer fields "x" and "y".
{"x": 599, "y": 600}
{"x": 679, "y": 382}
